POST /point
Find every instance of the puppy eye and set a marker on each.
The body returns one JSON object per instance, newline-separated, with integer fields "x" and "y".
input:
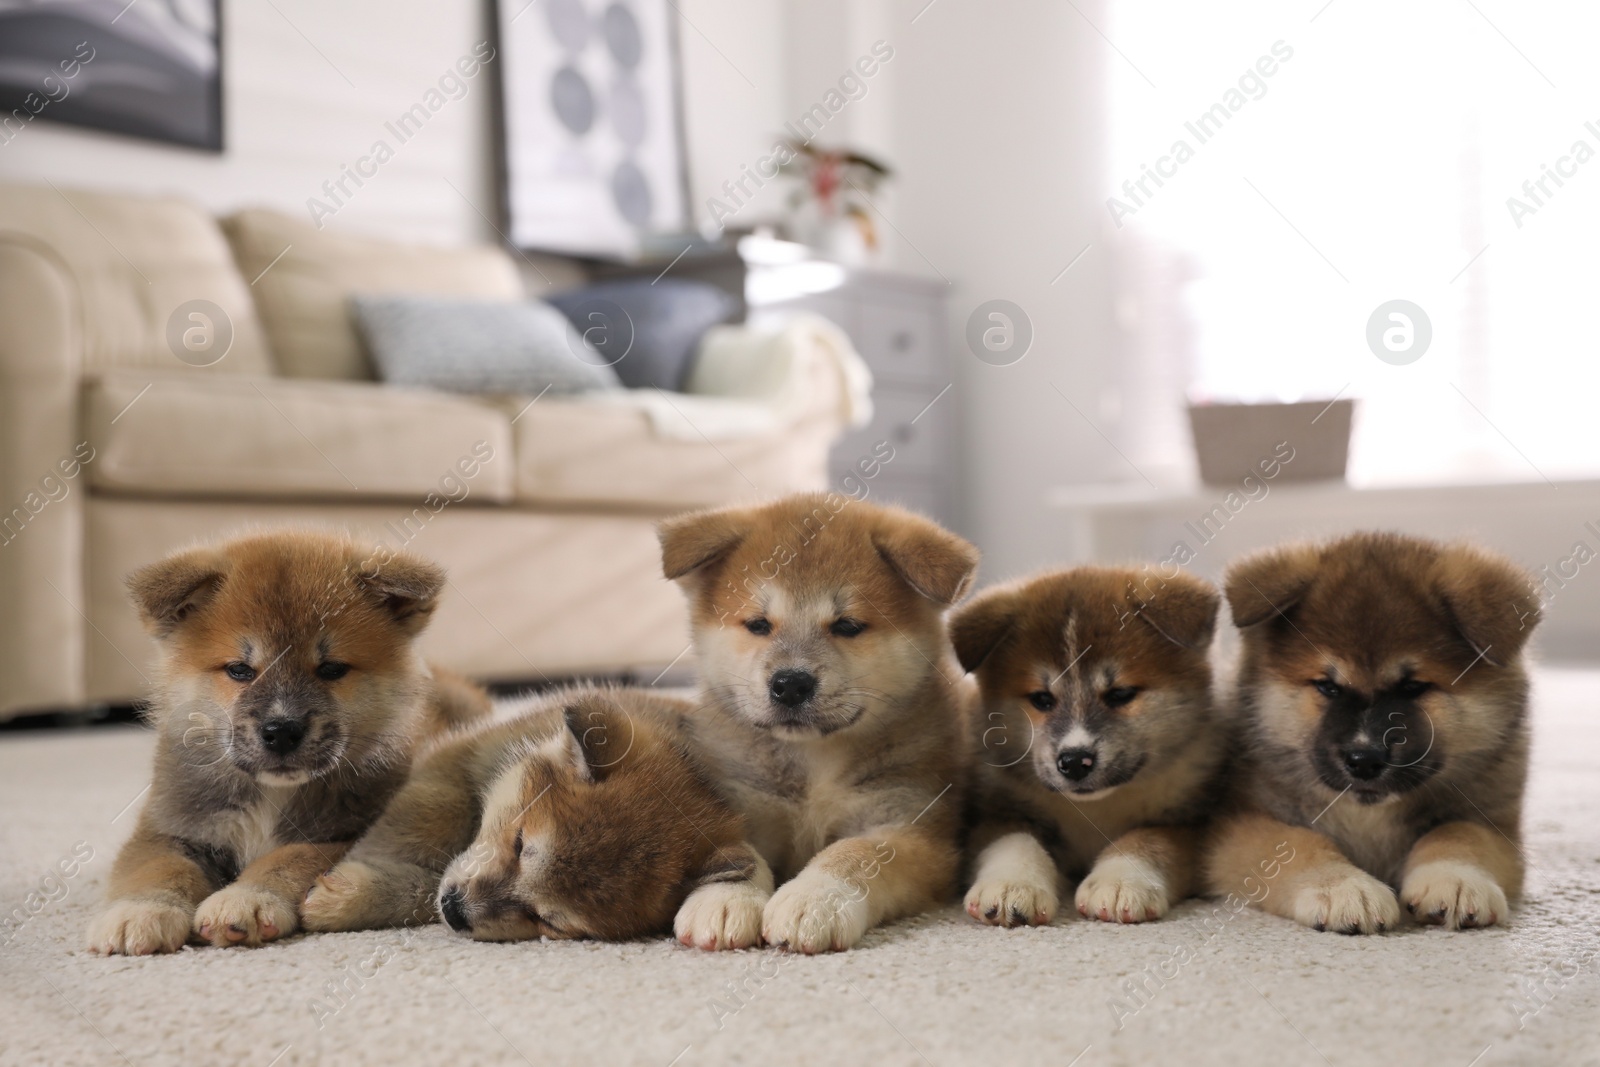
{"x": 516, "y": 846}
{"x": 846, "y": 627}
{"x": 240, "y": 672}
{"x": 1043, "y": 699}
{"x": 1411, "y": 688}
{"x": 331, "y": 671}
{"x": 1328, "y": 688}
{"x": 1117, "y": 697}
{"x": 758, "y": 626}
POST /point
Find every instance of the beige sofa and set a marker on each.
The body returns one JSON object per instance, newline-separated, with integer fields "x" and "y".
{"x": 113, "y": 450}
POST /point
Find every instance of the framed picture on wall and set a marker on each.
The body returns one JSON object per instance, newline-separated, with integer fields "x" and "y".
{"x": 146, "y": 69}
{"x": 591, "y": 141}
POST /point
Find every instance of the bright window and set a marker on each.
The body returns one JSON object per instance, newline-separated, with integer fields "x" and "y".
{"x": 1374, "y": 162}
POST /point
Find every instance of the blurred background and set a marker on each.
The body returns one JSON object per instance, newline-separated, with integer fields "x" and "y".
{"x": 1083, "y": 279}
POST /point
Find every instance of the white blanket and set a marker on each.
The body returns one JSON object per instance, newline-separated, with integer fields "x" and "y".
{"x": 748, "y": 382}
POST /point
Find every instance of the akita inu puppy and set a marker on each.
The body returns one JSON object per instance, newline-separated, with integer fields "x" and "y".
{"x": 829, "y": 704}
{"x": 1098, "y": 748}
{"x": 1386, "y": 732}
{"x": 585, "y": 815}
{"x": 288, "y": 701}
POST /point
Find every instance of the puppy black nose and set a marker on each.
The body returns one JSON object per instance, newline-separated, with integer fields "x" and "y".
{"x": 282, "y": 736}
{"x": 793, "y": 688}
{"x": 1365, "y": 763}
{"x": 1075, "y": 763}
{"x": 453, "y": 906}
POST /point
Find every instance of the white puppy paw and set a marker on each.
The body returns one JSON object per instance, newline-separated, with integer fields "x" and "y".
{"x": 816, "y": 912}
{"x": 245, "y": 915}
{"x": 1353, "y": 903}
{"x": 1123, "y": 889}
{"x": 1016, "y": 903}
{"x": 1015, "y": 884}
{"x": 723, "y": 915}
{"x": 1458, "y": 896}
{"x": 139, "y": 928}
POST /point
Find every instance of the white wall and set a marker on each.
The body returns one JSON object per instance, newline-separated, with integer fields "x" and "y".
{"x": 735, "y": 75}
{"x": 309, "y": 85}
{"x": 999, "y": 139}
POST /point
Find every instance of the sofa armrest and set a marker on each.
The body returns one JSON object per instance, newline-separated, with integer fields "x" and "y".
{"x": 41, "y": 485}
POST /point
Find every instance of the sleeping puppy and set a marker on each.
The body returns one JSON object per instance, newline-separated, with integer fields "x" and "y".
{"x": 288, "y": 702}
{"x": 1386, "y": 713}
{"x": 829, "y": 708}
{"x": 584, "y": 816}
{"x": 1098, "y": 749}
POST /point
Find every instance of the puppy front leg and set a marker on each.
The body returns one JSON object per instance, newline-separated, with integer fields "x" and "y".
{"x": 857, "y": 883}
{"x": 1140, "y": 875}
{"x": 1014, "y": 879}
{"x": 151, "y": 897}
{"x": 724, "y": 909}
{"x": 263, "y": 903}
{"x": 1460, "y": 875}
{"x": 391, "y": 875}
{"x": 1296, "y": 873}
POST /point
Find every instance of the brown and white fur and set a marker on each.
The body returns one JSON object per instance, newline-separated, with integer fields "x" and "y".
{"x": 829, "y": 703}
{"x": 584, "y": 816}
{"x": 288, "y": 701}
{"x": 1386, "y": 746}
{"x": 1098, "y": 747}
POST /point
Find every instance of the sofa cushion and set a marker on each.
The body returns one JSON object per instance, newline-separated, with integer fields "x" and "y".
{"x": 135, "y": 262}
{"x": 583, "y": 451}
{"x": 478, "y": 346}
{"x": 303, "y": 279}
{"x": 263, "y": 438}
{"x": 662, "y": 322}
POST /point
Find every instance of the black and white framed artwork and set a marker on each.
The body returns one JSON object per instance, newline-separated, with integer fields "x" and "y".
{"x": 147, "y": 69}
{"x": 590, "y": 129}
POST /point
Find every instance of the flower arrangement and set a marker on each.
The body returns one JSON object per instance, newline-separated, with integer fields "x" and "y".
{"x": 831, "y": 200}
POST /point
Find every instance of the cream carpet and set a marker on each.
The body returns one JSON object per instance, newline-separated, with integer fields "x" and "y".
{"x": 938, "y": 990}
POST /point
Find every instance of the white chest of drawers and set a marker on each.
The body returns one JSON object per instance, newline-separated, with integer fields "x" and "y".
{"x": 897, "y": 322}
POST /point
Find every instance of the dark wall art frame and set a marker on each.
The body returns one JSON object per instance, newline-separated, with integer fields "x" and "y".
{"x": 150, "y": 69}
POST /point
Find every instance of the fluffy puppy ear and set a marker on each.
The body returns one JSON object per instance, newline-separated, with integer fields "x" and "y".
{"x": 406, "y": 586}
{"x": 689, "y": 542}
{"x": 171, "y": 590}
{"x": 980, "y": 625}
{"x": 1491, "y": 600}
{"x": 930, "y": 559}
{"x": 1264, "y": 585}
{"x": 596, "y": 736}
{"x": 1183, "y": 610}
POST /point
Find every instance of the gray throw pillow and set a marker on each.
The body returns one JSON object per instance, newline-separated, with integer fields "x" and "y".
{"x": 475, "y": 346}
{"x": 649, "y": 331}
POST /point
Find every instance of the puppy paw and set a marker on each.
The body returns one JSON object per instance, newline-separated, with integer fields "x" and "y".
{"x": 244, "y": 915}
{"x": 724, "y": 915}
{"x": 139, "y": 928}
{"x": 338, "y": 899}
{"x": 1014, "y": 903}
{"x": 1122, "y": 889}
{"x": 1354, "y": 903}
{"x": 815, "y": 913}
{"x": 1457, "y": 896}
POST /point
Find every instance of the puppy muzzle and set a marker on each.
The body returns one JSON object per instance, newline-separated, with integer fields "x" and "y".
{"x": 1375, "y": 749}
